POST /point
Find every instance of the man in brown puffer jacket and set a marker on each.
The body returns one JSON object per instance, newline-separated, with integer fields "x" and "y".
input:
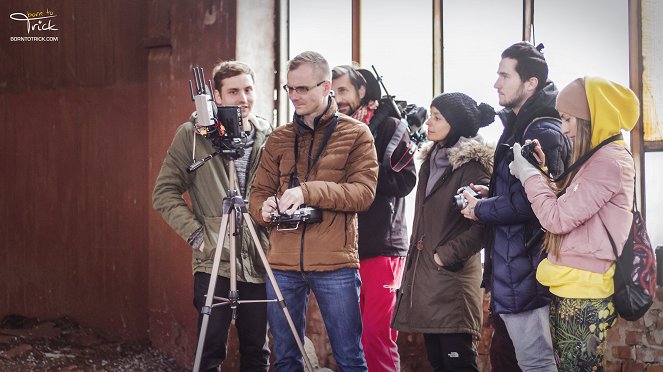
{"x": 326, "y": 160}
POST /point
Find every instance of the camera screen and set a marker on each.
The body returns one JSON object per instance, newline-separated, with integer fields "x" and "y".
{"x": 231, "y": 119}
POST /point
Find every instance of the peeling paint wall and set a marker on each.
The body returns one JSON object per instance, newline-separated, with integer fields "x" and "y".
{"x": 74, "y": 155}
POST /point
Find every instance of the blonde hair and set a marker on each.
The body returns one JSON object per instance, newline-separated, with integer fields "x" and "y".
{"x": 315, "y": 59}
{"x": 581, "y": 146}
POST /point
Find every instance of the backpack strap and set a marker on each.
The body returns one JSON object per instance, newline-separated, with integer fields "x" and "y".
{"x": 401, "y": 129}
{"x": 614, "y": 246}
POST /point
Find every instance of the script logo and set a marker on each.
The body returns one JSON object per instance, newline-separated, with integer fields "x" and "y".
{"x": 36, "y": 21}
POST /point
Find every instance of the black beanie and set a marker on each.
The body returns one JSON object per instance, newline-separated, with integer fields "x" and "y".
{"x": 463, "y": 114}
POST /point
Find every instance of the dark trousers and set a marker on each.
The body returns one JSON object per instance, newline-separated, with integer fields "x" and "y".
{"x": 251, "y": 324}
{"x": 451, "y": 352}
{"x": 502, "y": 352}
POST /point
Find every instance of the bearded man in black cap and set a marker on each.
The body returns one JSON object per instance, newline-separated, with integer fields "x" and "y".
{"x": 383, "y": 237}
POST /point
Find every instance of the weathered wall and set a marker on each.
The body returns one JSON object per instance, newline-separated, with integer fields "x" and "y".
{"x": 73, "y": 152}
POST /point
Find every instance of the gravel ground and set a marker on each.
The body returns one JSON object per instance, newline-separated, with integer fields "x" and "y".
{"x": 62, "y": 345}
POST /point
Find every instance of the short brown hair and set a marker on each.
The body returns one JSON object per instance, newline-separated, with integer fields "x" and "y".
{"x": 315, "y": 59}
{"x": 228, "y": 69}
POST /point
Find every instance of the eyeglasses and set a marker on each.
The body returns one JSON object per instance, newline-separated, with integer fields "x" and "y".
{"x": 301, "y": 90}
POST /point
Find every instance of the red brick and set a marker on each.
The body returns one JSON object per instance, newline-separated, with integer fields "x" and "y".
{"x": 622, "y": 352}
{"x": 613, "y": 366}
{"x": 633, "y": 338}
{"x": 614, "y": 336}
{"x": 655, "y": 368}
{"x": 633, "y": 366}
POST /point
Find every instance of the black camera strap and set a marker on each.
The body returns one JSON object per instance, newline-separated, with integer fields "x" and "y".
{"x": 311, "y": 161}
{"x": 586, "y": 156}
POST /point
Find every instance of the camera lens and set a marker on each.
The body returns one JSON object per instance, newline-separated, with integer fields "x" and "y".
{"x": 459, "y": 201}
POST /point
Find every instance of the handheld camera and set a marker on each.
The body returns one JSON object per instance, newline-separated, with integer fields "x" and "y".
{"x": 459, "y": 201}
{"x": 527, "y": 151}
{"x": 303, "y": 215}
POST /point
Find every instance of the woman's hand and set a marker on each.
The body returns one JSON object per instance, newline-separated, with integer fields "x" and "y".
{"x": 538, "y": 152}
{"x": 481, "y": 189}
{"x": 520, "y": 167}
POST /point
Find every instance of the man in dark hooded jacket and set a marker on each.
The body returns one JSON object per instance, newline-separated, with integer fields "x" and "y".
{"x": 383, "y": 241}
{"x": 513, "y": 250}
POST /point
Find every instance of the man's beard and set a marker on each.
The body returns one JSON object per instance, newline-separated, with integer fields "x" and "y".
{"x": 350, "y": 110}
{"x": 519, "y": 99}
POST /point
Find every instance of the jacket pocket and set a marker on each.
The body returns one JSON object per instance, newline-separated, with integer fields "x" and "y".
{"x": 212, "y": 226}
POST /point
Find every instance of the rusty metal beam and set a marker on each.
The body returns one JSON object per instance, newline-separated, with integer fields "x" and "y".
{"x": 356, "y": 31}
{"x": 528, "y": 19}
{"x": 438, "y": 49}
{"x": 635, "y": 81}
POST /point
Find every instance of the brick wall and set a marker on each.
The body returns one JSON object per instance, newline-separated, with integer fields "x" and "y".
{"x": 638, "y": 346}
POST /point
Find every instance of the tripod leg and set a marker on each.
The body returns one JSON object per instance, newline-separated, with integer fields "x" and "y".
{"x": 279, "y": 296}
{"x": 207, "y": 309}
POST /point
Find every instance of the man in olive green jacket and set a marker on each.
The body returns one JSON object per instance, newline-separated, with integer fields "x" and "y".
{"x": 199, "y": 226}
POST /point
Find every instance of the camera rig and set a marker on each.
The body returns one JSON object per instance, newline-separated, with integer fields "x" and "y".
{"x": 412, "y": 118}
{"x": 221, "y": 125}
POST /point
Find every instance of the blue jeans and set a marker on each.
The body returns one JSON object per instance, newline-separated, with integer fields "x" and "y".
{"x": 337, "y": 293}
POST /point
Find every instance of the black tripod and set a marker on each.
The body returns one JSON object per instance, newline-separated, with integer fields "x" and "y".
{"x": 234, "y": 211}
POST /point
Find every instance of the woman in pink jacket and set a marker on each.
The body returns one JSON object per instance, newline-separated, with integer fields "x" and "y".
{"x": 580, "y": 265}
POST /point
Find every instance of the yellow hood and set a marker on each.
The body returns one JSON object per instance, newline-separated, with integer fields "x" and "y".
{"x": 612, "y": 108}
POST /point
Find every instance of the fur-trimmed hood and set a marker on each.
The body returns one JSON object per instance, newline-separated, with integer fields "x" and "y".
{"x": 464, "y": 151}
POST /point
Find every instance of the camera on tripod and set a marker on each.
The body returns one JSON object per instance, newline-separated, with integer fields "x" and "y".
{"x": 226, "y": 132}
{"x": 303, "y": 215}
{"x": 222, "y": 125}
{"x": 459, "y": 201}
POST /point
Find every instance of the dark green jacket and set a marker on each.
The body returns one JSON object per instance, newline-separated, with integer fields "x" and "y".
{"x": 207, "y": 187}
{"x": 447, "y": 299}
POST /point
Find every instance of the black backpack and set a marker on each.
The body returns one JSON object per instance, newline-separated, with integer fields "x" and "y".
{"x": 635, "y": 273}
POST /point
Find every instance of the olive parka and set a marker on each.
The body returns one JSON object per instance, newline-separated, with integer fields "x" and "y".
{"x": 445, "y": 299}
{"x": 207, "y": 187}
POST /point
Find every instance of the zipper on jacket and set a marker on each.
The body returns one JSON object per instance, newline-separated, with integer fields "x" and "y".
{"x": 420, "y": 247}
{"x": 345, "y": 226}
{"x": 392, "y": 218}
{"x": 301, "y": 250}
{"x": 308, "y": 170}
